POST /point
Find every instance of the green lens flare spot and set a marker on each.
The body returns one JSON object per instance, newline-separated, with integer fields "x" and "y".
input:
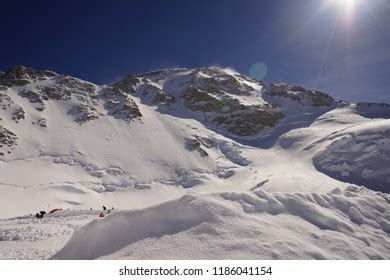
{"x": 258, "y": 71}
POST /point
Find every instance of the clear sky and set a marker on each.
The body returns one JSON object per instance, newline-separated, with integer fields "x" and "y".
{"x": 341, "y": 47}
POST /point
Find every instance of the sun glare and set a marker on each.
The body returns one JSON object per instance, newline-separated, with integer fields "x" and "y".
{"x": 346, "y": 4}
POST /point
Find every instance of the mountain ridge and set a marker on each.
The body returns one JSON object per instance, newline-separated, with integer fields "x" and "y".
{"x": 194, "y": 156}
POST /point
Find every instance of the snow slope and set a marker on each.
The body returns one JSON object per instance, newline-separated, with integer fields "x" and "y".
{"x": 200, "y": 163}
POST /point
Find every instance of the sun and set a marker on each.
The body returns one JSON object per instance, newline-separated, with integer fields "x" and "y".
{"x": 346, "y": 4}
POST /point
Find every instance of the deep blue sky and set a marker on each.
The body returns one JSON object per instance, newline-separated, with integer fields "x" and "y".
{"x": 345, "y": 53}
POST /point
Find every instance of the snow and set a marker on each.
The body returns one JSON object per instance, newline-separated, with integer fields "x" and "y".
{"x": 359, "y": 155}
{"x": 299, "y": 190}
{"x": 210, "y": 227}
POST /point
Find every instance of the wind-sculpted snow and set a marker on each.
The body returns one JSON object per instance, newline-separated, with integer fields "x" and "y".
{"x": 216, "y": 227}
{"x": 352, "y": 205}
{"x": 103, "y": 237}
{"x": 360, "y": 155}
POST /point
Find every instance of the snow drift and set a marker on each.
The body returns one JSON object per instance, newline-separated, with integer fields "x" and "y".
{"x": 359, "y": 155}
{"x": 341, "y": 224}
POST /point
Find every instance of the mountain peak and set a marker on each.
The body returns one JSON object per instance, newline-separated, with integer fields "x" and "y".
{"x": 20, "y": 75}
{"x": 254, "y": 150}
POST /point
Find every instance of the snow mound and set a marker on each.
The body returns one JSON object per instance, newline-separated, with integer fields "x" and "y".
{"x": 360, "y": 155}
{"x": 103, "y": 237}
{"x": 238, "y": 225}
{"x": 330, "y": 211}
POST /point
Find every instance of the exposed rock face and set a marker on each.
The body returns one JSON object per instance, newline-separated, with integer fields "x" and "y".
{"x": 248, "y": 122}
{"x": 6, "y": 101}
{"x": 213, "y": 92}
{"x": 127, "y": 85}
{"x": 120, "y": 105}
{"x": 220, "y": 98}
{"x": 18, "y": 114}
{"x": 62, "y": 89}
{"x": 220, "y": 95}
{"x": 242, "y": 120}
{"x": 34, "y": 97}
{"x": 217, "y": 82}
{"x": 8, "y": 140}
{"x": 154, "y": 95}
{"x": 200, "y": 101}
{"x": 300, "y": 95}
{"x": 140, "y": 86}
{"x": 21, "y": 76}
{"x": 42, "y": 122}
{"x": 41, "y": 87}
{"x": 83, "y": 113}
{"x": 7, "y": 104}
{"x": 195, "y": 145}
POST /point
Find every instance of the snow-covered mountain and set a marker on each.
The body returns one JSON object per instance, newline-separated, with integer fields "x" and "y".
{"x": 202, "y": 163}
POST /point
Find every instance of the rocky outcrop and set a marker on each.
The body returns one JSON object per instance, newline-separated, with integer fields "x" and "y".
{"x": 8, "y": 140}
{"x": 7, "y": 104}
{"x": 154, "y": 95}
{"x": 220, "y": 98}
{"x": 42, "y": 122}
{"x": 18, "y": 114}
{"x": 21, "y": 76}
{"x": 229, "y": 113}
{"x": 195, "y": 145}
{"x": 126, "y": 85}
{"x": 84, "y": 113}
{"x": 148, "y": 93}
{"x": 213, "y": 92}
{"x": 5, "y": 101}
{"x": 218, "y": 82}
{"x": 120, "y": 105}
{"x": 63, "y": 88}
{"x": 249, "y": 122}
{"x": 300, "y": 95}
{"x": 34, "y": 97}
{"x": 84, "y": 97}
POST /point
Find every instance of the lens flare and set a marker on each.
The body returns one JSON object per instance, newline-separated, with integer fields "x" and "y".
{"x": 258, "y": 71}
{"x": 348, "y": 5}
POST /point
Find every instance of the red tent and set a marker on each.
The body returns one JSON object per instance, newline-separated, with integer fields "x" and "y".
{"x": 55, "y": 210}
